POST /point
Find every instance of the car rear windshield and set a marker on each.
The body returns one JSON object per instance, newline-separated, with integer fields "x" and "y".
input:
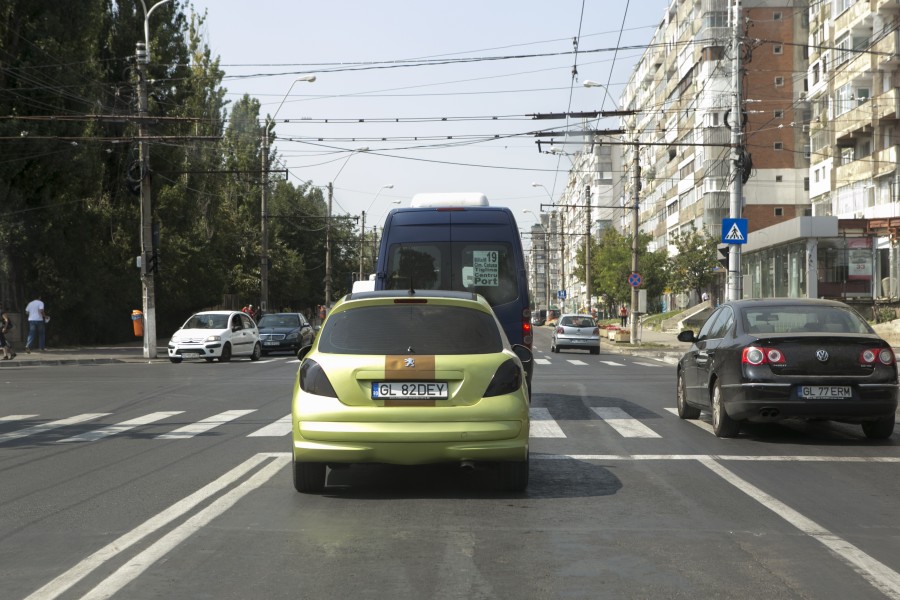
{"x": 803, "y": 319}
{"x": 280, "y": 321}
{"x": 486, "y": 268}
{"x": 577, "y": 322}
{"x": 411, "y": 329}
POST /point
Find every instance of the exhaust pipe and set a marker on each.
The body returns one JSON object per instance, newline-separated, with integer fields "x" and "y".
{"x": 467, "y": 465}
{"x": 768, "y": 412}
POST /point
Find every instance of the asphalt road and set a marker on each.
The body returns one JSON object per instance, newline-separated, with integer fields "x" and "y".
{"x": 154, "y": 480}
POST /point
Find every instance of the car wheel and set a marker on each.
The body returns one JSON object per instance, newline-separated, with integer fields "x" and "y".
{"x": 723, "y": 425}
{"x": 226, "y": 353}
{"x": 685, "y": 410}
{"x": 176, "y": 359}
{"x": 595, "y": 350}
{"x": 257, "y": 352}
{"x": 880, "y": 429}
{"x": 208, "y": 359}
{"x": 513, "y": 476}
{"x": 309, "y": 477}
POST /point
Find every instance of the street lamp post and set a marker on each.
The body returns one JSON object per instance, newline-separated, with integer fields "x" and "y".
{"x": 149, "y": 256}
{"x": 264, "y": 201}
{"x": 328, "y": 228}
{"x": 362, "y": 230}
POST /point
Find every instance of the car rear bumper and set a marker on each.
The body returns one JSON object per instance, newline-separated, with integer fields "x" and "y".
{"x": 768, "y": 402}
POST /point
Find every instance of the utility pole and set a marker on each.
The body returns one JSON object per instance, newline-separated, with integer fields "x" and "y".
{"x": 148, "y": 252}
{"x": 635, "y": 239}
{"x": 328, "y": 248}
{"x": 734, "y": 283}
{"x": 264, "y": 211}
{"x": 562, "y": 261}
{"x": 362, "y": 244}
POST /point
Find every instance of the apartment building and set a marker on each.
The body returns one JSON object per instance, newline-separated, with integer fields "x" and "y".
{"x": 681, "y": 94}
{"x": 854, "y": 75}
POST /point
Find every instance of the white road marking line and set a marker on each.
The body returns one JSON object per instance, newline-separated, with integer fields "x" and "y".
{"x": 580, "y": 363}
{"x": 189, "y": 431}
{"x": 66, "y": 580}
{"x": 646, "y": 364}
{"x": 718, "y": 457}
{"x": 11, "y": 418}
{"x": 883, "y": 578}
{"x": 612, "y": 363}
{"x": 92, "y": 436}
{"x": 542, "y": 361}
{"x": 701, "y": 423}
{"x": 543, "y": 425}
{"x": 14, "y": 435}
{"x": 280, "y": 427}
{"x": 625, "y": 424}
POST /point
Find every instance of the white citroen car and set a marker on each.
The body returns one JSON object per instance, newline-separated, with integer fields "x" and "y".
{"x": 214, "y": 334}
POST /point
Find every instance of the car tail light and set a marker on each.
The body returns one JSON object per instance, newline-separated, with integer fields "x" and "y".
{"x": 883, "y": 355}
{"x": 314, "y": 381}
{"x": 758, "y": 355}
{"x": 506, "y": 380}
{"x": 560, "y": 330}
{"x": 526, "y": 333}
{"x": 596, "y": 331}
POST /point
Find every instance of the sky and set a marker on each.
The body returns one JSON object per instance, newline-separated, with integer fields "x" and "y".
{"x": 427, "y": 96}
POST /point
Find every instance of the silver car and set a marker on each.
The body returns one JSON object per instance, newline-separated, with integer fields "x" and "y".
{"x": 576, "y": 331}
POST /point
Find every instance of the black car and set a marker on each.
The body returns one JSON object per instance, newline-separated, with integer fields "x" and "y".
{"x": 782, "y": 358}
{"x": 284, "y": 332}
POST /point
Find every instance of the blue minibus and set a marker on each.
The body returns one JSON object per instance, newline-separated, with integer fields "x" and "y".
{"x": 459, "y": 242}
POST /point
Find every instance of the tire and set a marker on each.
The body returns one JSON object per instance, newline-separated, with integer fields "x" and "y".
{"x": 257, "y": 352}
{"x": 723, "y": 425}
{"x": 512, "y": 476}
{"x": 208, "y": 360}
{"x": 175, "y": 359}
{"x": 226, "y": 353}
{"x": 595, "y": 350}
{"x": 685, "y": 410}
{"x": 309, "y": 477}
{"x": 880, "y": 429}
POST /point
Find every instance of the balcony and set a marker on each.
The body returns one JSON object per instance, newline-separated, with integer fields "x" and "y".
{"x": 886, "y": 105}
{"x": 885, "y": 161}
{"x": 887, "y": 5}
{"x": 853, "y": 120}
{"x": 851, "y": 16}
{"x": 887, "y": 50}
{"x": 858, "y": 170}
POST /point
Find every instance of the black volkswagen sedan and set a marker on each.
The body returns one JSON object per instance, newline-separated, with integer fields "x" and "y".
{"x": 783, "y": 358}
{"x": 287, "y": 332}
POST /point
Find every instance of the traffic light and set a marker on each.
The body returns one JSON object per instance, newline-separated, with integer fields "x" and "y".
{"x": 724, "y": 249}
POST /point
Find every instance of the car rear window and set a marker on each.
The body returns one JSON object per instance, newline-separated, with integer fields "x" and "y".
{"x": 803, "y": 319}
{"x": 280, "y": 321}
{"x": 577, "y": 322}
{"x": 411, "y": 329}
{"x": 207, "y": 322}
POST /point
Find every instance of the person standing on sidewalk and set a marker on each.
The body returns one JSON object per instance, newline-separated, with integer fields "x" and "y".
{"x": 623, "y": 316}
{"x": 5, "y": 326}
{"x": 36, "y": 319}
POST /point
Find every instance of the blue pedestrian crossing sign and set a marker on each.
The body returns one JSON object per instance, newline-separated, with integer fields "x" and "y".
{"x": 734, "y": 231}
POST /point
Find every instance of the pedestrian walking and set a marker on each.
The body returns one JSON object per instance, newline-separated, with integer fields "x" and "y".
{"x": 36, "y": 322}
{"x": 623, "y": 316}
{"x": 705, "y": 296}
{"x": 5, "y": 325}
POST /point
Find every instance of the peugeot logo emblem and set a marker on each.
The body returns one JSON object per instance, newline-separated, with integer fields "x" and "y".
{"x": 411, "y": 362}
{"x": 822, "y": 355}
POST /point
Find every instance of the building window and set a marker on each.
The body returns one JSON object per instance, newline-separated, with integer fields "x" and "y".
{"x": 778, "y": 146}
{"x": 779, "y": 178}
{"x": 778, "y": 49}
{"x": 778, "y": 114}
{"x": 806, "y": 184}
{"x": 843, "y": 99}
{"x": 815, "y": 73}
{"x": 779, "y": 212}
{"x": 776, "y": 16}
{"x": 779, "y": 81}
{"x": 718, "y": 18}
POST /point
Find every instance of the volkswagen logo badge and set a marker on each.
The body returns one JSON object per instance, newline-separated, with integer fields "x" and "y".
{"x": 822, "y": 355}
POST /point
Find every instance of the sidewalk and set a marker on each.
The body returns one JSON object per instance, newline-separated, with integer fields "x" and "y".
{"x": 97, "y": 355}
{"x": 661, "y": 345}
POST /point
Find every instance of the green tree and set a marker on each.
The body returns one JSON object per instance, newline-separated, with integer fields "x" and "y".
{"x": 693, "y": 267}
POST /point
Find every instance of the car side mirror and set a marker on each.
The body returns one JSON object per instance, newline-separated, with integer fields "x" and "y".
{"x": 302, "y": 352}
{"x": 525, "y": 355}
{"x": 687, "y": 336}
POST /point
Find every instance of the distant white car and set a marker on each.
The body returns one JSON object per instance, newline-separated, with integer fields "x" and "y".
{"x": 576, "y": 331}
{"x": 214, "y": 334}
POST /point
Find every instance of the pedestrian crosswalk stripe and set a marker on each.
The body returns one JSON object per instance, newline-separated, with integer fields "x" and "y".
{"x": 14, "y": 435}
{"x": 543, "y": 425}
{"x": 92, "y": 436}
{"x": 11, "y": 418}
{"x": 624, "y": 423}
{"x": 189, "y": 431}
{"x": 542, "y": 361}
{"x": 646, "y": 364}
{"x": 279, "y": 428}
{"x": 612, "y": 363}
{"x": 580, "y": 363}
